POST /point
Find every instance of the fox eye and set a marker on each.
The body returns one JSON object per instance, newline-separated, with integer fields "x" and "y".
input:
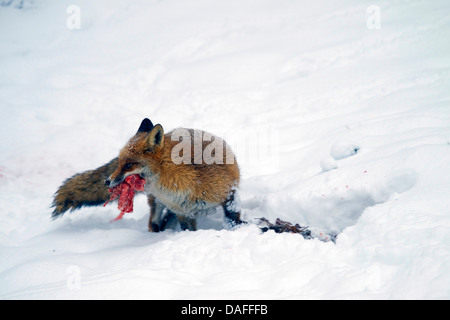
{"x": 129, "y": 165}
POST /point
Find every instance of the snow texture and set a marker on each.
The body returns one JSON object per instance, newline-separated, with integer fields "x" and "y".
{"x": 340, "y": 122}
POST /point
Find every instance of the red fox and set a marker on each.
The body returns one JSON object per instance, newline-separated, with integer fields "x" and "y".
{"x": 175, "y": 189}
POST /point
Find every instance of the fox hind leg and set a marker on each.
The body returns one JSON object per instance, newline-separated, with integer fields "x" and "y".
{"x": 232, "y": 208}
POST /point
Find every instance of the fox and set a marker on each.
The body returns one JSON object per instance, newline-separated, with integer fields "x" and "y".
{"x": 177, "y": 191}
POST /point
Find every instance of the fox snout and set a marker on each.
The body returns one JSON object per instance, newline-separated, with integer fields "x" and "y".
{"x": 111, "y": 183}
{"x": 116, "y": 178}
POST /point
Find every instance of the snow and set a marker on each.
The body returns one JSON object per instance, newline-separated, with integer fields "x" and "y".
{"x": 336, "y": 125}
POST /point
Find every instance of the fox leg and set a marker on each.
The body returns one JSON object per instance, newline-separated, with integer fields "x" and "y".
{"x": 169, "y": 220}
{"x": 160, "y": 217}
{"x": 156, "y": 211}
{"x": 232, "y": 208}
{"x": 152, "y": 227}
{"x": 187, "y": 222}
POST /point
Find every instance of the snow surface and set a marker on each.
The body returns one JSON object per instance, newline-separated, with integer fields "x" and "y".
{"x": 293, "y": 86}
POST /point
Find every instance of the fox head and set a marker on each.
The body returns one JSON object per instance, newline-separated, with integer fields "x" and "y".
{"x": 141, "y": 155}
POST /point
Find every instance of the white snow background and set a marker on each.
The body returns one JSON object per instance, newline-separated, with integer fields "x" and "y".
{"x": 340, "y": 122}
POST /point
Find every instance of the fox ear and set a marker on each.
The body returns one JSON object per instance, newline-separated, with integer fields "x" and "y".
{"x": 155, "y": 138}
{"x": 146, "y": 126}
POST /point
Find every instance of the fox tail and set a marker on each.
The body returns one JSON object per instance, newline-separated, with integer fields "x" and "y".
{"x": 83, "y": 189}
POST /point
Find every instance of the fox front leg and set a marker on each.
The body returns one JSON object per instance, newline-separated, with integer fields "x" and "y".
{"x": 161, "y": 218}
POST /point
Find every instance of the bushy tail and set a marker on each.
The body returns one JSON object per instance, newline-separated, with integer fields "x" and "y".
{"x": 84, "y": 189}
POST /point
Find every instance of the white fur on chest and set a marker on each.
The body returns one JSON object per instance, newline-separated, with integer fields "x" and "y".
{"x": 177, "y": 201}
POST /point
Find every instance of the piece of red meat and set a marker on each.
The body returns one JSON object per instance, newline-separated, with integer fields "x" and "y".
{"x": 125, "y": 192}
